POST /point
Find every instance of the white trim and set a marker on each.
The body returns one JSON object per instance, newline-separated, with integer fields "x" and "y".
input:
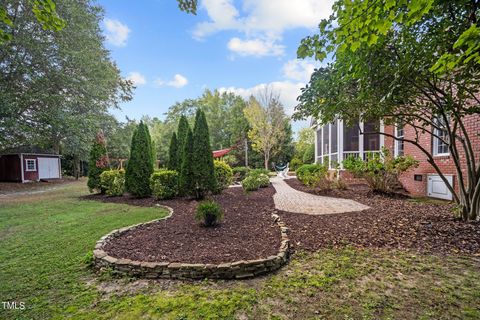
{"x": 34, "y": 165}
{"x": 382, "y": 137}
{"x": 21, "y": 167}
{"x": 360, "y": 140}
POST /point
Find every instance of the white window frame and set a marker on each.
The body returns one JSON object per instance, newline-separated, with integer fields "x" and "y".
{"x": 436, "y": 142}
{"x": 34, "y": 165}
{"x": 396, "y": 147}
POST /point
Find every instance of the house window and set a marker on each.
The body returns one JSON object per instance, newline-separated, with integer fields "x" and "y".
{"x": 31, "y": 165}
{"x": 399, "y": 144}
{"x": 371, "y": 142}
{"x": 440, "y": 138}
{"x": 328, "y": 149}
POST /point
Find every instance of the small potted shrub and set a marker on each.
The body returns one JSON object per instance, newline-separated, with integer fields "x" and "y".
{"x": 209, "y": 212}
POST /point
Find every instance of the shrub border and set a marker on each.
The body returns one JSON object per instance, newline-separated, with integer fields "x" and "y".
{"x": 241, "y": 269}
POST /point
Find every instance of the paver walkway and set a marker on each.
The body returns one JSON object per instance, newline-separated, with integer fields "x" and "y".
{"x": 288, "y": 199}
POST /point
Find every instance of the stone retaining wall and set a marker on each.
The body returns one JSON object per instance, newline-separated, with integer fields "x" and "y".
{"x": 152, "y": 270}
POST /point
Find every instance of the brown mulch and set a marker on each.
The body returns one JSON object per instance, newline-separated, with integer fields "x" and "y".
{"x": 246, "y": 233}
{"x": 391, "y": 222}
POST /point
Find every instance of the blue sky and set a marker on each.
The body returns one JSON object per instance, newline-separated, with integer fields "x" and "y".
{"x": 238, "y": 46}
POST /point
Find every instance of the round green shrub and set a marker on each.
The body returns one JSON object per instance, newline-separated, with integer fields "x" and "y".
{"x": 164, "y": 184}
{"x": 311, "y": 174}
{"x": 223, "y": 174}
{"x": 239, "y": 173}
{"x": 263, "y": 180}
{"x": 113, "y": 182}
{"x": 250, "y": 183}
{"x": 209, "y": 212}
{"x": 256, "y": 172}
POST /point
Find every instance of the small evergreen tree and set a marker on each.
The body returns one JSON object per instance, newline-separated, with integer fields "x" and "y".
{"x": 173, "y": 153}
{"x": 186, "y": 182}
{"x": 182, "y": 132}
{"x": 140, "y": 163}
{"x": 203, "y": 169}
{"x": 97, "y": 163}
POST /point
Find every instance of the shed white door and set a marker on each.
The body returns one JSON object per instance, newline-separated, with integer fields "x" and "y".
{"x": 437, "y": 188}
{"x": 48, "y": 168}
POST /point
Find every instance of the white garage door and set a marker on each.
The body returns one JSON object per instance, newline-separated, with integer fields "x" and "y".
{"x": 437, "y": 188}
{"x": 48, "y": 168}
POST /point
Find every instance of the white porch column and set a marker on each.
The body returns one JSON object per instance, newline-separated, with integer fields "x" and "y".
{"x": 360, "y": 140}
{"x": 340, "y": 143}
{"x": 382, "y": 137}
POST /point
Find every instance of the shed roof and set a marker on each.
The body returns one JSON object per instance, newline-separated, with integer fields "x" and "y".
{"x": 28, "y": 150}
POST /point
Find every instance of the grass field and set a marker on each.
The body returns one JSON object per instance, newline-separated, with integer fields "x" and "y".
{"x": 46, "y": 242}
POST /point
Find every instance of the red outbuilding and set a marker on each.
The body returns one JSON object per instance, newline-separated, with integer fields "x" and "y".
{"x": 26, "y": 164}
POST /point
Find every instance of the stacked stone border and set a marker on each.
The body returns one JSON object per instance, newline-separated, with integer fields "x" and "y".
{"x": 173, "y": 270}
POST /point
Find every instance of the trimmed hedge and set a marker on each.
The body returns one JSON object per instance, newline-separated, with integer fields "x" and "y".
{"x": 164, "y": 184}
{"x": 113, "y": 182}
{"x": 223, "y": 174}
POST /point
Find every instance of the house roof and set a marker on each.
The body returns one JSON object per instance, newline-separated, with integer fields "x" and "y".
{"x": 28, "y": 150}
{"x": 221, "y": 153}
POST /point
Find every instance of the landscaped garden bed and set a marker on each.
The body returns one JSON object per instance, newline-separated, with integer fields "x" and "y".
{"x": 249, "y": 238}
{"x": 391, "y": 222}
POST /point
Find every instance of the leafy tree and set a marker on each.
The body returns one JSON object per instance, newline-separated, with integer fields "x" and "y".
{"x": 306, "y": 139}
{"x": 140, "y": 164}
{"x": 202, "y": 166}
{"x": 98, "y": 163}
{"x": 267, "y": 122}
{"x": 59, "y": 96}
{"x": 186, "y": 180}
{"x": 44, "y": 11}
{"x": 173, "y": 153}
{"x": 182, "y": 133}
{"x": 391, "y": 64}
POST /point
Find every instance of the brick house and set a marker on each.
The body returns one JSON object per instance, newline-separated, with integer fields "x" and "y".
{"x": 335, "y": 142}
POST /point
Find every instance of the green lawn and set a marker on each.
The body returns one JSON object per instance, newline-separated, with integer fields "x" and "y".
{"x": 46, "y": 239}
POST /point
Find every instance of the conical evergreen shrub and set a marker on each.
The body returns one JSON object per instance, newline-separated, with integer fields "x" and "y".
{"x": 186, "y": 182}
{"x": 182, "y": 132}
{"x": 97, "y": 163}
{"x": 140, "y": 163}
{"x": 202, "y": 165}
{"x": 173, "y": 153}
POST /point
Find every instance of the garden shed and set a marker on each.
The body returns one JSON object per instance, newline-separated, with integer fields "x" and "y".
{"x": 26, "y": 164}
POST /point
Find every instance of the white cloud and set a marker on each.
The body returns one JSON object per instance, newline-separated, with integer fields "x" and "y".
{"x": 262, "y": 19}
{"x": 178, "y": 81}
{"x": 137, "y": 78}
{"x": 255, "y": 47}
{"x": 299, "y": 70}
{"x": 117, "y": 32}
{"x": 288, "y": 91}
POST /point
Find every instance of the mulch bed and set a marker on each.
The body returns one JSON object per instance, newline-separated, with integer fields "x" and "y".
{"x": 246, "y": 233}
{"x": 392, "y": 222}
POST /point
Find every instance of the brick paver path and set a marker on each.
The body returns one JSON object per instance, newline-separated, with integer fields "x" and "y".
{"x": 288, "y": 199}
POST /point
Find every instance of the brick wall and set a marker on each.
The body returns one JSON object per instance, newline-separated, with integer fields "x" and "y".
{"x": 445, "y": 163}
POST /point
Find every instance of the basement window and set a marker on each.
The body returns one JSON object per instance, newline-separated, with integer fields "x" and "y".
{"x": 31, "y": 165}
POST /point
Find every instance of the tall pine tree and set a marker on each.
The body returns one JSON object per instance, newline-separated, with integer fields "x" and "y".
{"x": 140, "y": 163}
{"x": 173, "y": 153}
{"x": 202, "y": 165}
{"x": 186, "y": 182}
{"x": 97, "y": 163}
{"x": 182, "y": 132}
